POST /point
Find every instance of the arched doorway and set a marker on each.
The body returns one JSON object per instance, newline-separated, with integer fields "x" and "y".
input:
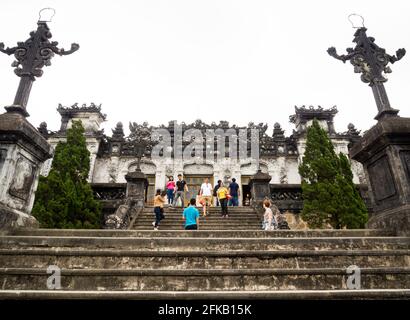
{"x": 194, "y": 175}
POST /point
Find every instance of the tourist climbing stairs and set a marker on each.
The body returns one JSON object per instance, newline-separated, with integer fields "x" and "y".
{"x": 239, "y": 218}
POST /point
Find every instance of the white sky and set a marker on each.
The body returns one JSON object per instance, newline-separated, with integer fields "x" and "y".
{"x": 234, "y": 60}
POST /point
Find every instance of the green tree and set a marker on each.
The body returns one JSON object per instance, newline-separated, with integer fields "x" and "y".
{"x": 64, "y": 199}
{"x": 329, "y": 195}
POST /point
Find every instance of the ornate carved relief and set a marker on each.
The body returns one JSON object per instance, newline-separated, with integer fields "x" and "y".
{"x": 23, "y": 178}
{"x": 381, "y": 179}
{"x": 3, "y": 154}
{"x": 405, "y": 158}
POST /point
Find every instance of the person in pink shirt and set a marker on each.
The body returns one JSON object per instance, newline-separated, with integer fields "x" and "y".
{"x": 170, "y": 189}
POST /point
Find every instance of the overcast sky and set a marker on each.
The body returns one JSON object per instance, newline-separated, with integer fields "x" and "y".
{"x": 234, "y": 60}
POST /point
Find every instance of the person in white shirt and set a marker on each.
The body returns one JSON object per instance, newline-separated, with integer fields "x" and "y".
{"x": 206, "y": 195}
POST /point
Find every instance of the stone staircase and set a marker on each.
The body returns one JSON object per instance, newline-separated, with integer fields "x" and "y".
{"x": 240, "y": 218}
{"x": 204, "y": 264}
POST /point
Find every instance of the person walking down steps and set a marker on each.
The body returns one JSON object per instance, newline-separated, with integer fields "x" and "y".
{"x": 170, "y": 190}
{"x": 181, "y": 187}
{"x": 159, "y": 201}
{"x": 206, "y": 195}
{"x": 223, "y": 200}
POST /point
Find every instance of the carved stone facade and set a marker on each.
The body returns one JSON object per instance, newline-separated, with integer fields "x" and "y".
{"x": 112, "y": 157}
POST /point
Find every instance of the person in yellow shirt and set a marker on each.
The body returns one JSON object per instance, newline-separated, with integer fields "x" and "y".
{"x": 222, "y": 194}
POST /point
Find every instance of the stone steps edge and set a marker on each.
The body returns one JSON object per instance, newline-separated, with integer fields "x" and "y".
{"x": 201, "y": 253}
{"x": 207, "y": 295}
{"x": 203, "y": 272}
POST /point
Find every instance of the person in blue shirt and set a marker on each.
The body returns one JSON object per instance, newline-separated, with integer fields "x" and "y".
{"x": 234, "y": 193}
{"x": 191, "y": 216}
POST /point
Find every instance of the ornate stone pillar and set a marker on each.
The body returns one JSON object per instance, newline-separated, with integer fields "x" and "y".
{"x": 384, "y": 150}
{"x": 137, "y": 183}
{"x": 22, "y": 151}
{"x": 260, "y": 188}
{"x": 23, "y": 148}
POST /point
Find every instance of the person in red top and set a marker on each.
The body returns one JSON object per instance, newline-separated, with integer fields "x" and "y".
{"x": 170, "y": 189}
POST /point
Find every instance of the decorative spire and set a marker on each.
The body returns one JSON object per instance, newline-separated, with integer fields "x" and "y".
{"x": 118, "y": 132}
{"x": 278, "y": 133}
{"x": 372, "y": 62}
{"x": 31, "y": 56}
{"x": 351, "y": 130}
{"x": 43, "y": 130}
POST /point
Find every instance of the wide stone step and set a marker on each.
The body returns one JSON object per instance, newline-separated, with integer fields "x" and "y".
{"x": 209, "y": 216}
{"x": 218, "y": 220}
{"x": 220, "y": 244}
{"x": 205, "y": 234}
{"x": 203, "y": 226}
{"x": 201, "y": 223}
{"x": 208, "y": 295}
{"x": 211, "y": 213}
{"x": 216, "y": 217}
{"x": 204, "y": 279}
{"x": 126, "y": 259}
{"x": 166, "y": 207}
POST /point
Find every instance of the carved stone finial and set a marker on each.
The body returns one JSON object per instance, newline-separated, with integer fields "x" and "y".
{"x": 43, "y": 129}
{"x": 351, "y": 130}
{"x": 118, "y": 132}
{"x": 278, "y": 133}
{"x": 31, "y": 56}
{"x": 371, "y": 62}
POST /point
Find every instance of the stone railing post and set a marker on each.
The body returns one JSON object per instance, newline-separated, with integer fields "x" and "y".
{"x": 260, "y": 189}
{"x": 136, "y": 185}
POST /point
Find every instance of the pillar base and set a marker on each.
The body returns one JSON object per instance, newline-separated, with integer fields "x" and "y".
{"x": 13, "y": 219}
{"x": 397, "y": 219}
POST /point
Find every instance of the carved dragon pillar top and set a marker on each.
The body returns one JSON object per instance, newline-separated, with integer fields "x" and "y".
{"x": 30, "y": 58}
{"x": 372, "y": 62}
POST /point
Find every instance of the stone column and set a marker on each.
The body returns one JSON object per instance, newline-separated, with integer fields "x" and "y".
{"x": 136, "y": 188}
{"x": 260, "y": 189}
{"x": 22, "y": 151}
{"x": 384, "y": 151}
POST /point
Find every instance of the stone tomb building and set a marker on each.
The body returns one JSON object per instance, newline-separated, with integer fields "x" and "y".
{"x": 279, "y": 156}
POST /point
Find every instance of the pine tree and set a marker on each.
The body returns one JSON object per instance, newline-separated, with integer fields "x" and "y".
{"x": 355, "y": 212}
{"x": 329, "y": 195}
{"x": 64, "y": 199}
